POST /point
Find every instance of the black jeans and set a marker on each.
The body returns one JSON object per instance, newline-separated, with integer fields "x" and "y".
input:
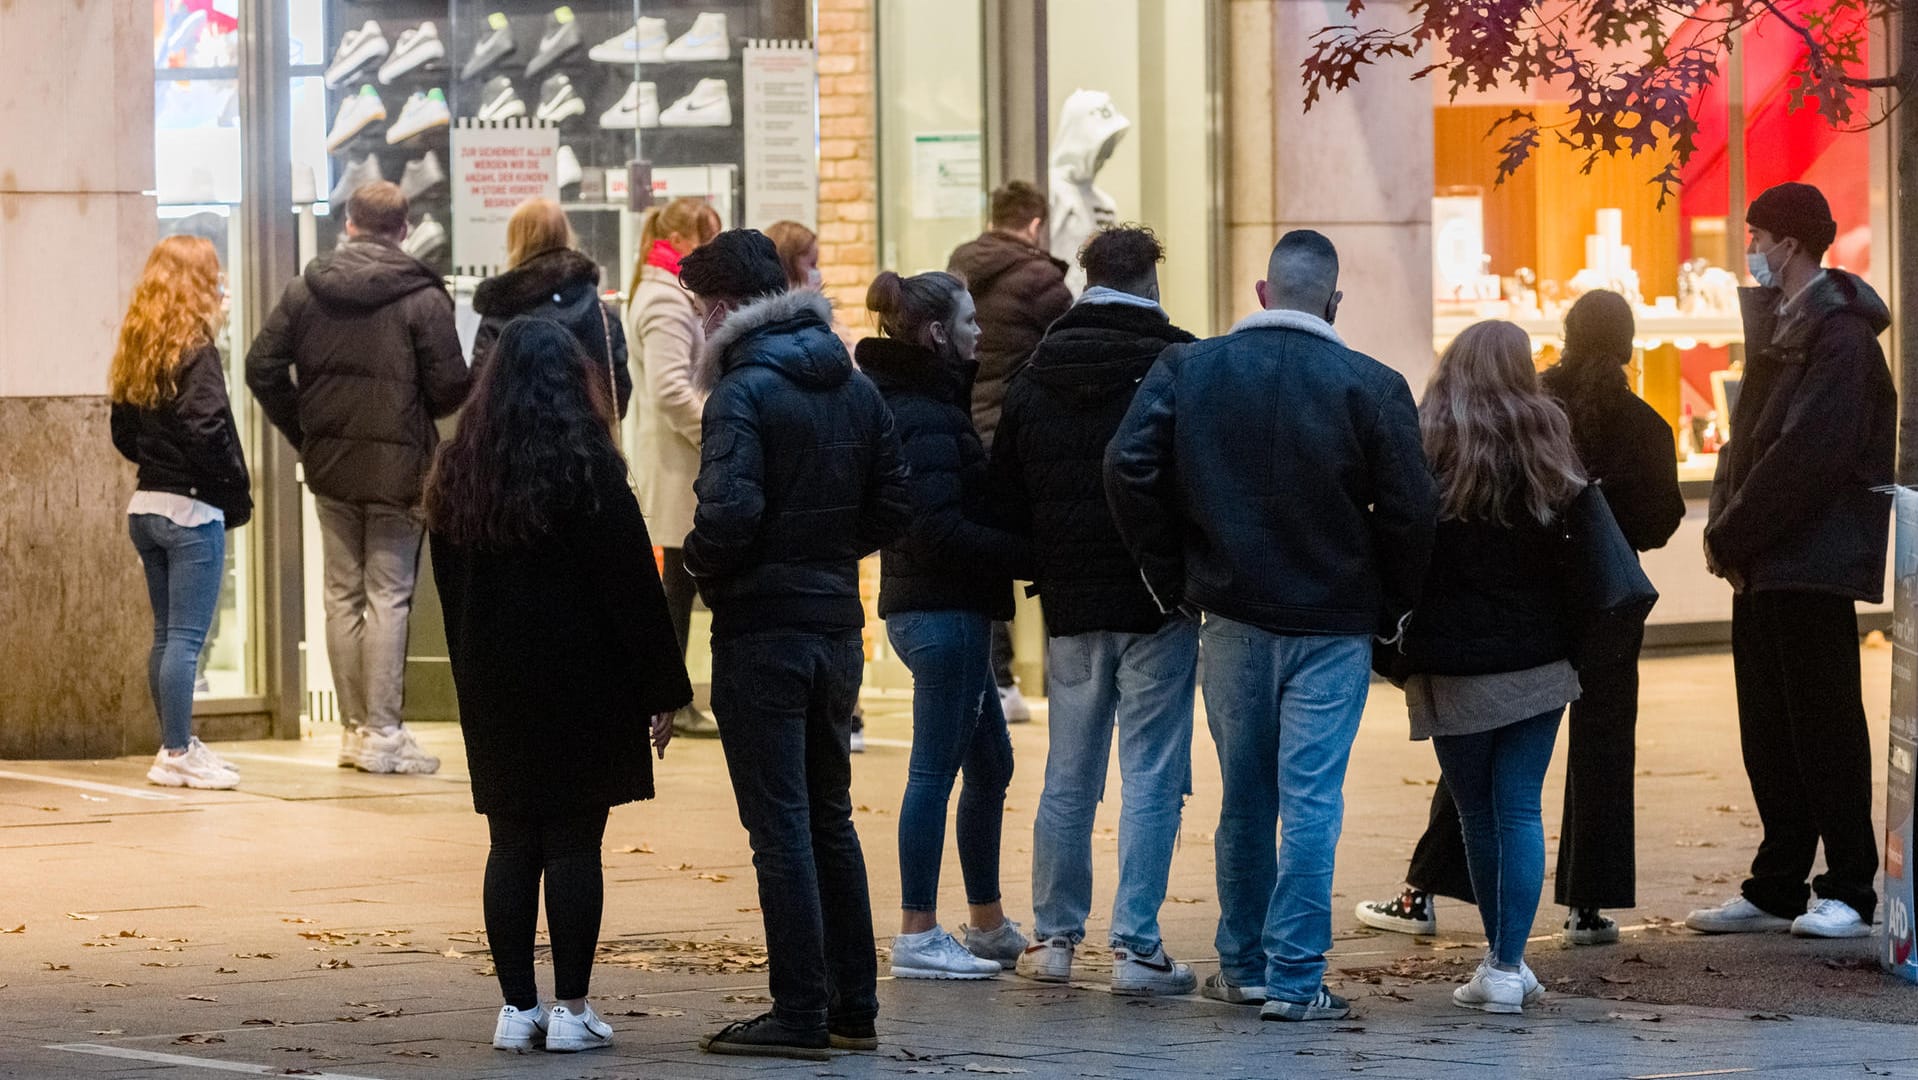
{"x": 1597, "y": 863}
{"x": 1801, "y": 723}
{"x": 1002, "y": 655}
{"x": 566, "y": 851}
{"x": 680, "y": 594}
{"x": 784, "y": 704}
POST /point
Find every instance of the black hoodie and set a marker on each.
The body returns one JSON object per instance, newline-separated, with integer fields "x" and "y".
{"x": 1049, "y": 463}
{"x": 355, "y": 364}
{"x": 561, "y": 285}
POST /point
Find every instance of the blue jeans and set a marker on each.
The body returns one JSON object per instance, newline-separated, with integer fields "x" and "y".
{"x": 1143, "y": 684}
{"x": 1496, "y": 777}
{"x": 183, "y": 568}
{"x": 1283, "y": 710}
{"x": 956, "y": 725}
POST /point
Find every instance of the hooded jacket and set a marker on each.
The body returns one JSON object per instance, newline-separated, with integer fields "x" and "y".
{"x": 563, "y": 286}
{"x": 1794, "y": 504}
{"x": 190, "y": 446}
{"x": 1276, "y": 478}
{"x": 1049, "y": 463}
{"x": 1019, "y": 290}
{"x": 800, "y": 474}
{"x": 953, "y": 556}
{"x": 1626, "y": 446}
{"x": 1090, "y": 128}
{"x": 355, "y": 364}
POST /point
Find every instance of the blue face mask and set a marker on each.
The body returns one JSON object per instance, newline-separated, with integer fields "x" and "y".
{"x": 1761, "y": 268}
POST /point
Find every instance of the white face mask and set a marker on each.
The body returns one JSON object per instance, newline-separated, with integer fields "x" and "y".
{"x": 814, "y": 278}
{"x": 1761, "y": 268}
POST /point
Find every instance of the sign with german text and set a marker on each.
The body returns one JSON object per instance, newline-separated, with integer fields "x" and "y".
{"x": 496, "y": 167}
{"x": 782, "y": 144}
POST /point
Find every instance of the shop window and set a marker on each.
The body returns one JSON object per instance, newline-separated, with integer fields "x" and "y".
{"x": 932, "y": 129}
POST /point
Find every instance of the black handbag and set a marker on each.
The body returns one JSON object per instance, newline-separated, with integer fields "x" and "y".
{"x": 1610, "y": 596}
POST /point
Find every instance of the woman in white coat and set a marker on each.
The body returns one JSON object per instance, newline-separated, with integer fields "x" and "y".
{"x": 664, "y": 335}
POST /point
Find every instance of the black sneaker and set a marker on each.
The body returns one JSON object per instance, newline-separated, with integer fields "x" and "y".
{"x": 1410, "y": 912}
{"x": 768, "y": 1036}
{"x": 852, "y": 1035}
{"x": 1588, "y": 926}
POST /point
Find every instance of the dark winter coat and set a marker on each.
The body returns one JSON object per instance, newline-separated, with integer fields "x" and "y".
{"x": 800, "y": 473}
{"x": 1276, "y": 478}
{"x": 1494, "y": 600}
{"x": 1626, "y": 447}
{"x": 562, "y": 651}
{"x": 355, "y": 364}
{"x": 953, "y": 556}
{"x": 1794, "y": 505}
{"x": 1049, "y": 464}
{"x": 190, "y": 446}
{"x": 561, "y": 285}
{"x": 1019, "y": 290}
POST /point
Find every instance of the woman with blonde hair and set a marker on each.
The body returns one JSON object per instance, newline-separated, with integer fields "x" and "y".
{"x": 1486, "y": 655}
{"x": 546, "y": 276}
{"x": 666, "y": 335}
{"x": 172, "y": 418}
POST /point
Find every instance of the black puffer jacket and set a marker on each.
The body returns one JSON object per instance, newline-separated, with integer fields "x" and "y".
{"x": 561, "y": 285}
{"x": 1049, "y": 463}
{"x": 1494, "y": 600}
{"x": 1626, "y": 446}
{"x": 189, "y": 446}
{"x": 1019, "y": 290}
{"x": 953, "y": 556}
{"x": 1794, "y": 504}
{"x": 355, "y": 364}
{"x": 800, "y": 473}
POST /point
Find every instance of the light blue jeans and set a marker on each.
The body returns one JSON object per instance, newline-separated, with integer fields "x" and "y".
{"x": 1143, "y": 685}
{"x": 184, "y": 568}
{"x": 1283, "y": 711}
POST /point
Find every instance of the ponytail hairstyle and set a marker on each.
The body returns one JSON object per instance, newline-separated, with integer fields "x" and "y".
{"x": 908, "y": 307}
{"x": 174, "y": 307}
{"x": 693, "y": 219}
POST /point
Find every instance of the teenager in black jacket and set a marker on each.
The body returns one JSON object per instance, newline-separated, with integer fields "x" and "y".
{"x": 171, "y": 417}
{"x": 1627, "y": 447}
{"x": 563, "y": 657}
{"x": 941, "y": 586}
{"x": 1115, "y": 659}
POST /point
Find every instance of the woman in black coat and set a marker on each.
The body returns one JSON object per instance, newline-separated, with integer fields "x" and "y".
{"x": 1628, "y": 449}
{"x": 547, "y": 278}
{"x": 563, "y": 656}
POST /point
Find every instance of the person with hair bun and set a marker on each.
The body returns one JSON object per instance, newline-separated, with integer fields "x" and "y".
{"x": 941, "y": 587}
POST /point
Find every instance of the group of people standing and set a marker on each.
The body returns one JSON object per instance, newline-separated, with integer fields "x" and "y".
{"x": 1269, "y": 499}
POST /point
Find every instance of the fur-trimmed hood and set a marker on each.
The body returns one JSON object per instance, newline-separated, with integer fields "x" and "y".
{"x": 1287, "y": 319}
{"x": 539, "y": 280}
{"x": 790, "y": 332}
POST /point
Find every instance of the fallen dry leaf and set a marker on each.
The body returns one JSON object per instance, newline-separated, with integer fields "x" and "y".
{"x": 111, "y": 1031}
{"x": 262, "y": 1022}
{"x": 334, "y": 965}
{"x": 713, "y": 877}
{"x": 199, "y": 1039}
{"x": 21, "y": 929}
{"x": 413, "y": 1053}
{"x": 160, "y": 963}
{"x": 297, "y": 921}
{"x": 453, "y": 954}
{"x": 638, "y": 849}
{"x": 51, "y": 966}
{"x": 252, "y": 956}
{"x": 78, "y": 917}
{"x": 226, "y": 971}
{"x": 112, "y": 985}
{"x": 201, "y": 997}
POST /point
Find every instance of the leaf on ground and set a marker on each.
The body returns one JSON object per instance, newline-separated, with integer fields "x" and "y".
{"x": 973, "y": 1067}
{"x": 1767, "y": 1016}
{"x": 112, "y": 986}
{"x": 1637, "y": 1017}
{"x": 1720, "y": 972}
{"x": 661, "y": 1013}
{"x": 79, "y": 917}
{"x": 1351, "y": 1029}
{"x": 747, "y": 910}
{"x": 713, "y": 877}
{"x": 334, "y": 965}
{"x": 160, "y": 963}
{"x": 1639, "y": 958}
{"x": 638, "y": 849}
{"x": 201, "y": 997}
{"x": 1617, "y": 980}
{"x": 226, "y": 971}
{"x": 413, "y": 1053}
{"x": 199, "y": 1040}
{"x": 298, "y": 920}
{"x": 110, "y": 1031}
{"x": 97, "y": 944}
{"x": 261, "y": 1021}
{"x": 252, "y": 956}
{"x": 747, "y": 999}
{"x": 453, "y": 954}
{"x": 51, "y": 966}
{"x": 21, "y": 929}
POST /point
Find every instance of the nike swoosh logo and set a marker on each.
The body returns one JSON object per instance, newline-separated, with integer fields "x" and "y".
{"x": 1165, "y": 967}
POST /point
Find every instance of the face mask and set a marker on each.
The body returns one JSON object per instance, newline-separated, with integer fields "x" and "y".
{"x": 814, "y": 278}
{"x": 1761, "y": 268}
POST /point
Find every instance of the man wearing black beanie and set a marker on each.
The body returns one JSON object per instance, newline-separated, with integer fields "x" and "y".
{"x": 800, "y": 476}
{"x": 1799, "y": 528}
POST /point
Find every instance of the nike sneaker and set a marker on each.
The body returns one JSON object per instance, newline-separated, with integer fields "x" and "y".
{"x": 561, "y": 38}
{"x": 423, "y": 113}
{"x": 559, "y": 101}
{"x": 355, "y": 176}
{"x": 424, "y": 241}
{"x": 356, "y": 114}
{"x": 422, "y": 176}
{"x": 499, "y": 101}
{"x": 645, "y": 43}
{"x": 707, "y": 40}
{"x": 496, "y": 45}
{"x": 709, "y": 105}
{"x": 416, "y": 48}
{"x": 637, "y": 108}
{"x": 358, "y": 48}
{"x": 568, "y": 164}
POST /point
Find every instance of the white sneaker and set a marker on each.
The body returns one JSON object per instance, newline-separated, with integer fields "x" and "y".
{"x": 857, "y": 742}
{"x": 395, "y": 750}
{"x": 497, "y": 45}
{"x": 207, "y": 751}
{"x": 197, "y": 768}
{"x": 519, "y": 1030}
{"x": 559, "y": 101}
{"x": 423, "y": 113}
{"x": 1493, "y": 991}
{"x": 645, "y": 43}
{"x": 1048, "y": 961}
{"x": 355, "y": 114}
{"x": 417, "y": 47}
{"x": 1735, "y": 916}
{"x": 1004, "y": 945}
{"x": 568, "y": 1032}
{"x": 1138, "y": 974}
{"x": 352, "y": 736}
{"x": 936, "y": 954}
{"x": 707, "y": 40}
{"x": 637, "y": 108}
{"x": 561, "y": 36}
{"x": 422, "y": 176}
{"x": 358, "y": 48}
{"x": 1534, "y": 990}
{"x": 709, "y": 105}
{"x": 567, "y": 163}
{"x": 499, "y": 101}
{"x": 355, "y": 176}
{"x": 1831, "y": 919}
{"x": 424, "y": 241}
{"x": 1013, "y": 704}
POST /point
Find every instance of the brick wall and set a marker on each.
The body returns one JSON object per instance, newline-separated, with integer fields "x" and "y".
{"x": 848, "y": 157}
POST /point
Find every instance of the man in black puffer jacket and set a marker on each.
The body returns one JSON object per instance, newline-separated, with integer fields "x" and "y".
{"x": 800, "y": 477}
{"x": 355, "y": 364}
{"x": 1116, "y": 659}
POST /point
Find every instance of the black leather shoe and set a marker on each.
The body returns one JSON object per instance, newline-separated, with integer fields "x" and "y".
{"x": 768, "y": 1036}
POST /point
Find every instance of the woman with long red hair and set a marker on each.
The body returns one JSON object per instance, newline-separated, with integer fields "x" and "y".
{"x": 171, "y": 417}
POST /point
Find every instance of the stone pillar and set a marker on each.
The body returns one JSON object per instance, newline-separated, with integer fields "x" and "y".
{"x": 1358, "y": 168}
{"x": 76, "y": 154}
{"x": 848, "y": 157}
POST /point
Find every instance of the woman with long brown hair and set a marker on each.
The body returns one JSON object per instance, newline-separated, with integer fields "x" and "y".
{"x": 172, "y": 418}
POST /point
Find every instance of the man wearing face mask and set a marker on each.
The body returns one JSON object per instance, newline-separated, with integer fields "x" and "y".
{"x": 1799, "y": 530}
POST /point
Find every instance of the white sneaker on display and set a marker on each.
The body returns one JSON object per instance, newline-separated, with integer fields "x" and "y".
{"x": 1736, "y": 916}
{"x": 1048, "y": 961}
{"x": 395, "y": 750}
{"x": 935, "y": 954}
{"x": 707, "y": 40}
{"x": 356, "y": 175}
{"x": 422, "y": 176}
{"x": 1013, "y": 704}
{"x": 197, "y": 768}
{"x": 416, "y": 48}
{"x": 352, "y": 740}
{"x": 520, "y": 1030}
{"x": 559, "y": 101}
{"x": 709, "y": 105}
{"x": 423, "y": 113}
{"x": 355, "y": 114}
{"x": 637, "y": 108}
{"x": 561, "y": 36}
{"x": 499, "y": 101}
{"x": 1831, "y": 919}
{"x": 644, "y": 43}
{"x": 1493, "y": 991}
{"x": 497, "y": 45}
{"x": 567, "y": 163}
{"x": 358, "y": 48}
{"x": 1158, "y": 974}
{"x": 568, "y": 1032}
